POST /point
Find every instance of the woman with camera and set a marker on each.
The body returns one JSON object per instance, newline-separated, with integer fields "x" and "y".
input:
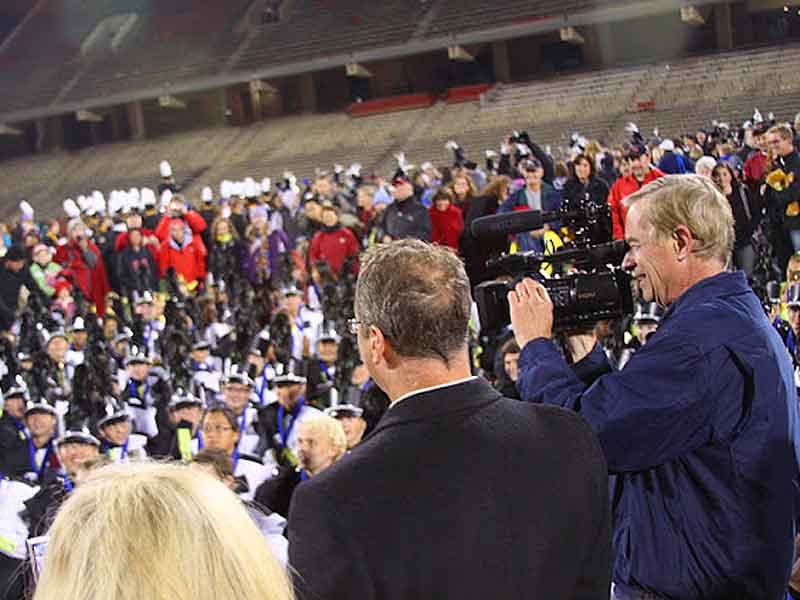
{"x": 586, "y": 191}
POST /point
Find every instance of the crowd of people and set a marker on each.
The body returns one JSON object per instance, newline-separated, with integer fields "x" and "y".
{"x": 220, "y": 331}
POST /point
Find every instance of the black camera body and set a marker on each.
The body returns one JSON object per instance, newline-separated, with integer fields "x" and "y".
{"x": 594, "y": 289}
{"x": 579, "y": 301}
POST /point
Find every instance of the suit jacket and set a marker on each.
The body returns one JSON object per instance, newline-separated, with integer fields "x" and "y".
{"x": 458, "y": 493}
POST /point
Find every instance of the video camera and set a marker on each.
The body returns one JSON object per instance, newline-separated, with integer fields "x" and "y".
{"x": 588, "y": 284}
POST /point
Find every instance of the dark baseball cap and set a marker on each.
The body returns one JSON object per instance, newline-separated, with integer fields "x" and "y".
{"x": 16, "y": 252}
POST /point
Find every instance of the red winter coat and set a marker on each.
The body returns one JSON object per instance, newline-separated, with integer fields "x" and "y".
{"x": 447, "y": 226}
{"x": 189, "y": 261}
{"x": 333, "y": 247}
{"x": 622, "y": 188}
{"x": 122, "y": 242}
{"x": 194, "y": 219}
{"x": 93, "y": 281}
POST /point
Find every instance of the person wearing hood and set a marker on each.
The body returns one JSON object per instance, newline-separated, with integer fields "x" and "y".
{"x": 447, "y": 220}
{"x": 333, "y": 244}
{"x": 178, "y": 210}
{"x": 536, "y": 195}
{"x": 184, "y": 251}
{"x": 81, "y": 257}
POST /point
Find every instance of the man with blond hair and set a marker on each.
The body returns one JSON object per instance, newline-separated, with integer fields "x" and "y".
{"x": 700, "y": 427}
{"x": 321, "y": 441}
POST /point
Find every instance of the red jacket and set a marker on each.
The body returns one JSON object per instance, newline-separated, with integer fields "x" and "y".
{"x": 754, "y": 169}
{"x": 93, "y": 281}
{"x": 333, "y": 247}
{"x": 447, "y": 226}
{"x": 622, "y": 188}
{"x": 122, "y": 242}
{"x": 194, "y": 219}
{"x": 188, "y": 261}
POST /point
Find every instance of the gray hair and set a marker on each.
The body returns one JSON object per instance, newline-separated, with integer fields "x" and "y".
{"x": 706, "y": 162}
{"x": 418, "y": 295}
{"x": 695, "y": 202}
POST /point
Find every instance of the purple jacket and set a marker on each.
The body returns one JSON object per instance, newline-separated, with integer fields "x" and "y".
{"x": 265, "y": 264}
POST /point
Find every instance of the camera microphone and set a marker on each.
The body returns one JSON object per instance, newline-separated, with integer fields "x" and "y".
{"x": 514, "y": 222}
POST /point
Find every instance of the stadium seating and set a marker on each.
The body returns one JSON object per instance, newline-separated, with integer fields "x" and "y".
{"x": 168, "y": 47}
{"x": 686, "y": 95}
{"x": 318, "y": 28}
{"x": 458, "y": 16}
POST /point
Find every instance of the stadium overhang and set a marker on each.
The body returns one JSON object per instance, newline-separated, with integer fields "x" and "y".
{"x": 605, "y": 14}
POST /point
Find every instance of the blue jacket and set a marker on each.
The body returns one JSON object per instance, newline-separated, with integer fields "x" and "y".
{"x": 701, "y": 427}
{"x": 674, "y": 164}
{"x": 551, "y": 201}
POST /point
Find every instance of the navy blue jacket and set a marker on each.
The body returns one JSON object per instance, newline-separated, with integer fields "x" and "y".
{"x": 674, "y": 164}
{"x": 701, "y": 427}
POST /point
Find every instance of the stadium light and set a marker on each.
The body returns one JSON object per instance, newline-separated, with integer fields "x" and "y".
{"x": 691, "y": 16}
{"x": 257, "y": 85}
{"x": 171, "y": 102}
{"x": 460, "y": 54}
{"x": 357, "y": 70}
{"x": 8, "y": 130}
{"x": 571, "y": 36}
{"x": 87, "y": 116}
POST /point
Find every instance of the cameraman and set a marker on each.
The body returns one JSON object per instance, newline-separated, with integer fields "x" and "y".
{"x": 701, "y": 425}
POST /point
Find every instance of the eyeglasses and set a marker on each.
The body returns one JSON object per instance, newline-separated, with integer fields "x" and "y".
{"x": 353, "y": 325}
{"x": 218, "y": 429}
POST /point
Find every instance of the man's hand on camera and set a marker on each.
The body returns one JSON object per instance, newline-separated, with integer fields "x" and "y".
{"x": 531, "y": 312}
{"x": 581, "y": 345}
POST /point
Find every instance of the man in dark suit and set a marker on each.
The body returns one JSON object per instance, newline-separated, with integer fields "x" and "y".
{"x": 458, "y": 492}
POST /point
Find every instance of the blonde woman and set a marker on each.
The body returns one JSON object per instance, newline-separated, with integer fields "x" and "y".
{"x": 157, "y": 531}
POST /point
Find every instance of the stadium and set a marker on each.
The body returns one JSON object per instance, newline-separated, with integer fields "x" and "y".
{"x": 399, "y": 299}
{"x": 96, "y": 93}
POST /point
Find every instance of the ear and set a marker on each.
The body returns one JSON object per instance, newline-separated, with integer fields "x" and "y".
{"x": 682, "y": 242}
{"x": 378, "y": 345}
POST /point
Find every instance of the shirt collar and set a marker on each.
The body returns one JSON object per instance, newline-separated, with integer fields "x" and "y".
{"x": 432, "y": 388}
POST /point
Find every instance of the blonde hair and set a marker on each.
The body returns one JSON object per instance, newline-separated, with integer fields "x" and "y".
{"x": 157, "y": 531}
{"x": 330, "y": 428}
{"x": 783, "y": 130}
{"x": 695, "y": 202}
